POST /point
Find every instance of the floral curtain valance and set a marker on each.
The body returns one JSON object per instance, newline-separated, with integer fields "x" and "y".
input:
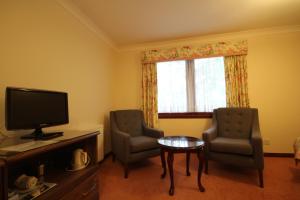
{"x": 189, "y": 52}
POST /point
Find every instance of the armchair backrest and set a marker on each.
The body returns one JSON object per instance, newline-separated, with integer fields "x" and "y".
{"x": 234, "y": 122}
{"x": 129, "y": 121}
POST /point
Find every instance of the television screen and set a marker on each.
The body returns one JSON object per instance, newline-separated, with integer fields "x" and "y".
{"x": 35, "y": 109}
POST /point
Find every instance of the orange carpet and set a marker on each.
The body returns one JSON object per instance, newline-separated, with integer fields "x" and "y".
{"x": 281, "y": 177}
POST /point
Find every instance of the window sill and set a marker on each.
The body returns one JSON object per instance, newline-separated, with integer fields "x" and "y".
{"x": 185, "y": 115}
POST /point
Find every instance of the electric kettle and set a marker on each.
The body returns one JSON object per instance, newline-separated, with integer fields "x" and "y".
{"x": 80, "y": 160}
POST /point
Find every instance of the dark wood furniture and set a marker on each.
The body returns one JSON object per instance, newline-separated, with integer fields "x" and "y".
{"x": 181, "y": 144}
{"x": 56, "y": 157}
{"x": 2, "y": 177}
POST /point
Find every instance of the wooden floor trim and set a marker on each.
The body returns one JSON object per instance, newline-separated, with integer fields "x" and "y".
{"x": 290, "y": 155}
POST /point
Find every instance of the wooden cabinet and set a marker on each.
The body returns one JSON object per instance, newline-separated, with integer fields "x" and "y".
{"x": 56, "y": 157}
{"x": 85, "y": 190}
{"x": 2, "y": 179}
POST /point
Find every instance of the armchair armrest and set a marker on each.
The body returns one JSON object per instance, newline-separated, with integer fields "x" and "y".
{"x": 152, "y": 132}
{"x": 121, "y": 144}
{"x": 210, "y": 134}
{"x": 257, "y": 143}
{"x": 256, "y": 140}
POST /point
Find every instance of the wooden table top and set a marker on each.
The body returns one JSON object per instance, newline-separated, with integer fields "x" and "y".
{"x": 180, "y": 142}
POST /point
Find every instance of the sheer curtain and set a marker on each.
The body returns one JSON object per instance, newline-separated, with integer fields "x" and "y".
{"x": 210, "y": 87}
{"x": 171, "y": 81}
{"x": 191, "y": 86}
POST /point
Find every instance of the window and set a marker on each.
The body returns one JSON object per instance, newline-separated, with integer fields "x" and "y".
{"x": 191, "y": 87}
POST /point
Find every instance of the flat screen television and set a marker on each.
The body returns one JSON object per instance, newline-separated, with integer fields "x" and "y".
{"x": 35, "y": 109}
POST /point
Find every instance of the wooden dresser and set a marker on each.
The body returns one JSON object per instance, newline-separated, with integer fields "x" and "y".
{"x": 56, "y": 156}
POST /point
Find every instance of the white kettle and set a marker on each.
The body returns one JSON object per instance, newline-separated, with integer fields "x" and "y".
{"x": 80, "y": 160}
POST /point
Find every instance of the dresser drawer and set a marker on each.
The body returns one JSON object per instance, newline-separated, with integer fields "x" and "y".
{"x": 93, "y": 195}
{"x": 87, "y": 190}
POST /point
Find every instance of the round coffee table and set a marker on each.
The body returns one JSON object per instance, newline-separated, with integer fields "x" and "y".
{"x": 181, "y": 144}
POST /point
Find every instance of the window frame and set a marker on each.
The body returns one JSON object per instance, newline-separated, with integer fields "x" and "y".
{"x": 186, "y": 115}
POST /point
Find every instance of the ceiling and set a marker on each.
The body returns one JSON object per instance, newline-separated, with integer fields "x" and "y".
{"x": 128, "y": 22}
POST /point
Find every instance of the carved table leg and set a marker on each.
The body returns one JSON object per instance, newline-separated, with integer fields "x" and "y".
{"x": 163, "y": 162}
{"x": 188, "y": 163}
{"x": 170, "y": 165}
{"x": 200, "y": 158}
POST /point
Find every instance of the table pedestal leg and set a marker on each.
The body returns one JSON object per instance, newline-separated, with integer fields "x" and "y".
{"x": 170, "y": 165}
{"x": 163, "y": 163}
{"x": 188, "y": 163}
{"x": 201, "y": 159}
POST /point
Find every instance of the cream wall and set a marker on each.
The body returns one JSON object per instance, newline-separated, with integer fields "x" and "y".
{"x": 127, "y": 81}
{"x": 273, "y": 70}
{"x": 43, "y": 46}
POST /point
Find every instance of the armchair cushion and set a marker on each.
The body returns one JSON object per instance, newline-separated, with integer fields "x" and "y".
{"x": 230, "y": 145}
{"x": 129, "y": 121}
{"x": 142, "y": 143}
{"x": 234, "y": 122}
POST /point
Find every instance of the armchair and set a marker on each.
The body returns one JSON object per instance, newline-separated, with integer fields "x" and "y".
{"x": 132, "y": 140}
{"x": 235, "y": 139}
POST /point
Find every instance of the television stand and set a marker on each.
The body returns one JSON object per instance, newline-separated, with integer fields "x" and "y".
{"x": 56, "y": 158}
{"x": 38, "y": 134}
{"x": 44, "y": 136}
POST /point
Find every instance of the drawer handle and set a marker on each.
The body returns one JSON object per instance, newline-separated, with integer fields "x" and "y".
{"x": 90, "y": 190}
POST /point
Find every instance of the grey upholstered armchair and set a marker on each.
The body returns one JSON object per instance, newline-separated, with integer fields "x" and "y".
{"x": 235, "y": 138}
{"x": 132, "y": 140}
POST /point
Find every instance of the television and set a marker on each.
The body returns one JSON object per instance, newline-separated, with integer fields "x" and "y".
{"x": 35, "y": 109}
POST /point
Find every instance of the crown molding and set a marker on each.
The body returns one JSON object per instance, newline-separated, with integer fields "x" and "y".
{"x": 211, "y": 38}
{"x": 86, "y": 21}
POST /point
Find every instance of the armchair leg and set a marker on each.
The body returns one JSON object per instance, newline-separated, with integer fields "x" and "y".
{"x": 126, "y": 171}
{"x": 261, "y": 178}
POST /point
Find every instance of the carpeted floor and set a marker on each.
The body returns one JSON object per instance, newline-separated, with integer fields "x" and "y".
{"x": 281, "y": 177}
